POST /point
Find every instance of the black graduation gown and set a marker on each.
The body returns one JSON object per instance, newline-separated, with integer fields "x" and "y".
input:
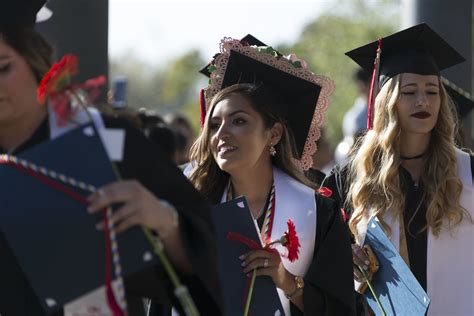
{"x": 329, "y": 284}
{"x": 414, "y": 215}
{"x": 145, "y": 162}
{"x": 316, "y": 176}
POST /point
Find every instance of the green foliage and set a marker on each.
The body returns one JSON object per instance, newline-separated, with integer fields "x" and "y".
{"x": 323, "y": 44}
{"x": 181, "y": 76}
{"x": 156, "y": 88}
{"x": 142, "y": 81}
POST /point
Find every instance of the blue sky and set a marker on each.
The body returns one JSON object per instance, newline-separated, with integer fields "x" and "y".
{"x": 158, "y": 30}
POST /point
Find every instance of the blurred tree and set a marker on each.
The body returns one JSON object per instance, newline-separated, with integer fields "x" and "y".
{"x": 141, "y": 90}
{"x": 322, "y": 43}
{"x": 162, "y": 89}
{"x": 345, "y": 25}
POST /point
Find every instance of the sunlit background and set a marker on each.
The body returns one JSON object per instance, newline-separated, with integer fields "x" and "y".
{"x": 161, "y": 45}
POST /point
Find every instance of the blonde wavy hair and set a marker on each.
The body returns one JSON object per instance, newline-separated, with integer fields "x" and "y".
{"x": 374, "y": 170}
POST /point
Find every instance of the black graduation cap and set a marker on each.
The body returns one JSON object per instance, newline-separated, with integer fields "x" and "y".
{"x": 247, "y": 40}
{"x": 417, "y": 49}
{"x": 462, "y": 99}
{"x": 299, "y": 95}
{"x": 20, "y": 13}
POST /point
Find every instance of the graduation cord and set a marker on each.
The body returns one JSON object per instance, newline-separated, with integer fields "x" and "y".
{"x": 267, "y": 226}
{"x": 53, "y": 180}
{"x": 265, "y": 235}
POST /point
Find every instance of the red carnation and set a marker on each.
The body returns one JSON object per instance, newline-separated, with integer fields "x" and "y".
{"x": 56, "y": 86}
{"x": 291, "y": 241}
{"x": 58, "y": 77}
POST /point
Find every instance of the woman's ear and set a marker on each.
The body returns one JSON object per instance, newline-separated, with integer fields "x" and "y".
{"x": 276, "y": 133}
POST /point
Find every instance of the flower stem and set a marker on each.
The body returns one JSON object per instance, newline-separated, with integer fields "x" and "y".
{"x": 180, "y": 290}
{"x": 366, "y": 277}
{"x": 249, "y": 295}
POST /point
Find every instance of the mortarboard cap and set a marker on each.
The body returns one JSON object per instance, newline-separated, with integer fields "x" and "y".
{"x": 20, "y": 13}
{"x": 234, "y": 216}
{"x": 248, "y": 39}
{"x": 417, "y": 49}
{"x": 299, "y": 94}
{"x": 304, "y": 94}
{"x": 462, "y": 99}
{"x": 53, "y": 239}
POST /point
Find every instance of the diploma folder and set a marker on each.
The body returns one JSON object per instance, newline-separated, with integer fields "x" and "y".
{"x": 234, "y": 216}
{"x": 397, "y": 288}
{"x": 52, "y": 237}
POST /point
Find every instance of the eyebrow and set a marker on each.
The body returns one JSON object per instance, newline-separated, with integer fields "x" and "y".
{"x": 233, "y": 113}
{"x": 414, "y": 85}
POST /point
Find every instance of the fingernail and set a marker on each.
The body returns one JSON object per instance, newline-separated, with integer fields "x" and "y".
{"x": 242, "y": 257}
{"x": 248, "y": 275}
{"x": 243, "y": 264}
{"x": 367, "y": 262}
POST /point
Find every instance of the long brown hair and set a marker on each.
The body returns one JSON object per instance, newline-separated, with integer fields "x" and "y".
{"x": 206, "y": 176}
{"x": 32, "y": 46}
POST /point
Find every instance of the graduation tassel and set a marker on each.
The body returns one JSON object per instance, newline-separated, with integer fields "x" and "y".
{"x": 202, "y": 106}
{"x": 374, "y": 85}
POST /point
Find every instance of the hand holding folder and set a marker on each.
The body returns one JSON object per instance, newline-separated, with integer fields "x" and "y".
{"x": 397, "y": 288}
{"x": 52, "y": 237}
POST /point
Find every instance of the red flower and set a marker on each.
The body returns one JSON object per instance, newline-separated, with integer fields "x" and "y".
{"x": 325, "y": 191}
{"x": 56, "y": 85}
{"x": 92, "y": 87}
{"x": 291, "y": 241}
{"x": 58, "y": 77}
{"x": 252, "y": 244}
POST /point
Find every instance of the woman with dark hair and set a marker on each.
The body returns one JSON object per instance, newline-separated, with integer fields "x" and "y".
{"x": 254, "y": 144}
{"x": 148, "y": 176}
{"x": 408, "y": 173}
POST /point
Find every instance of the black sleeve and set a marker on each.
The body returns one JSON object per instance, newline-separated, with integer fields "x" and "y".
{"x": 472, "y": 166}
{"x": 145, "y": 161}
{"x": 338, "y": 185}
{"x": 329, "y": 285}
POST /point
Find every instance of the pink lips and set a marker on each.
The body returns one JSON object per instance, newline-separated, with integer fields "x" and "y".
{"x": 421, "y": 115}
{"x": 225, "y": 148}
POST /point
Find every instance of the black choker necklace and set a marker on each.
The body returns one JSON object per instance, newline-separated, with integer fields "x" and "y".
{"x": 414, "y": 157}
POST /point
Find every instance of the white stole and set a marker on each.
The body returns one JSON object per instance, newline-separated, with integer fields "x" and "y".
{"x": 450, "y": 257}
{"x": 295, "y": 201}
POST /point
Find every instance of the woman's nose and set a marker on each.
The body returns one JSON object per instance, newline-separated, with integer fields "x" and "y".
{"x": 223, "y": 131}
{"x": 421, "y": 99}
